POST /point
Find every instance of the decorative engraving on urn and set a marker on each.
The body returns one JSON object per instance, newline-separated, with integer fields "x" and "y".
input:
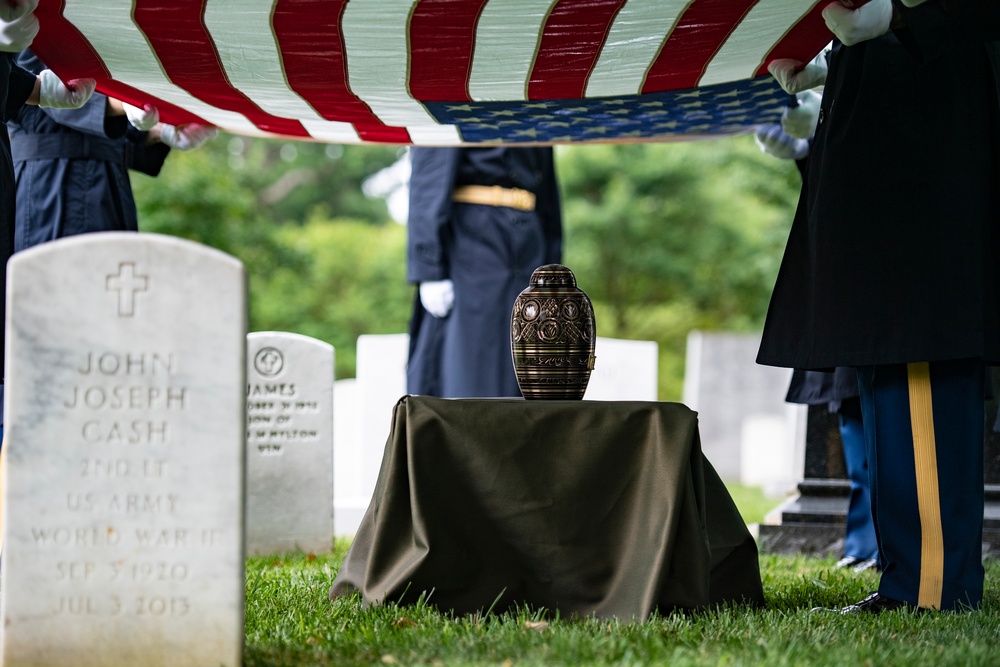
{"x": 552, "y": 336}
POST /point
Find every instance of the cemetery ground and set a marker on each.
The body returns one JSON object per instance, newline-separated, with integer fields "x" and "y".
{"x": 291, "y": 623}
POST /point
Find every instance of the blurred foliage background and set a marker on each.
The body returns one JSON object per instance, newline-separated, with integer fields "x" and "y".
{"x": 665, "y": 238}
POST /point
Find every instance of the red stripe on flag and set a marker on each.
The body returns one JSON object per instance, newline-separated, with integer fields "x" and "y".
{"x": 177, "y": 33}
{"x": 698, "y": 35}
{"x": 803, "y": 40}
{"x": 312, "y": 49}
{"x": 574, "y": 34}
{"x": 60, "y": 45}
{"x": 442, "y": 41}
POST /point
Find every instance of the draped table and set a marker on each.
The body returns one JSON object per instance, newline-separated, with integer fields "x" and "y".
{"x": 593, "y": 508}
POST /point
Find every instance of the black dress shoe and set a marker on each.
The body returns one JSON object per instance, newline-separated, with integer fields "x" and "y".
{"x": 876, "y": 604}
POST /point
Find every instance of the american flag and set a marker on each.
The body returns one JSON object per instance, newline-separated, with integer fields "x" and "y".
{"x": 440, "y": 72}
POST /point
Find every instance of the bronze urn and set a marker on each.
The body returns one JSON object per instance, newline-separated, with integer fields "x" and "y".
{"x": 552, "y": 336}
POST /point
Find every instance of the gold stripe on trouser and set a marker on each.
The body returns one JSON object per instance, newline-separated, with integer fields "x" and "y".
{"x": 928, "y": 500}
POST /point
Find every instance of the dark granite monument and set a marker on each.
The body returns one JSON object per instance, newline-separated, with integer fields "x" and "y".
{"x": 813, "y": 521}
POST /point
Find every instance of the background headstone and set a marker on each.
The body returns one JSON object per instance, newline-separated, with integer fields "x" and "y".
{"x": 347, "y": 458}
{"x": 381, "y": 382}
{"x": 126, "y": 381}
{"x": 771, "y": 451}
{"x": 625, "y": 370}
{"x": 289, "y": 443}
{"x": 724, "y": 384}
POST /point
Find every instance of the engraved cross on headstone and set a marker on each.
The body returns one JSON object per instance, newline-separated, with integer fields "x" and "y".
{"x": 127, "y": 283}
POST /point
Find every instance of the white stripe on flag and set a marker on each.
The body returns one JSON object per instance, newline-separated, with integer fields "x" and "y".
{"x": 747, "y": 47}
{"x": 109, "y": 28}
{"x": 334, "y": 132}
{"x": 635, "y": 40}
{"x": 376, "y": 42}
{"x": 434, "y": 135}
{"x": 245, "y": 42}
{"x": 507, "y": 38}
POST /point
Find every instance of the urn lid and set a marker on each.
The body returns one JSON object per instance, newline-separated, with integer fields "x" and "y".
{"x": 553, "y": 275}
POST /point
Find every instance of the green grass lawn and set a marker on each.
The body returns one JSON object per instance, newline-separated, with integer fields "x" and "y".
{"x": 752, "y": 502}
{"x": 290, "y": 622}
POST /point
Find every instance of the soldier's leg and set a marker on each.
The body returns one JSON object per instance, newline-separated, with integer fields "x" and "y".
{"x": 924, "y": 433}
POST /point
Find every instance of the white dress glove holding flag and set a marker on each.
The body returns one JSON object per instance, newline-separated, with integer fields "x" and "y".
{"x": 857, "y": 25}
{"x": 186, "y": 137}
{"x": 141, "y": 119}
{"x": 55, "y": 94}
{"x": 794, "y": 76}
{"x": 800, "y": 121}
{"x": 437, "y": 297}
{"x": 775, "y": 142}
{"x": 18, "y": 26}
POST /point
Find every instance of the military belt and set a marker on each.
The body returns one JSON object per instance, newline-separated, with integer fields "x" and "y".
{"x": 494, "y": 195}
{"x": 63, "y": 145}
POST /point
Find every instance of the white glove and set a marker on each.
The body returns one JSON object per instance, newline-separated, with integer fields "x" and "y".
{"x": 18, "y": 26}
{"x": 437, "y": 297}
{"x": 186, "y": 137}
{"x": 141, "y": 119}
{"x": 800, "y": 121}
{"x": 775, "y": 142}
{"x": 857, "y": 25}
{"x": 913, "y": 3}
{"x": 55, "y": 94}
{"x": 795, "y": 77}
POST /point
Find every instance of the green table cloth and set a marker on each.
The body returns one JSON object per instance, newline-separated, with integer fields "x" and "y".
{"x": 596, "y": 508}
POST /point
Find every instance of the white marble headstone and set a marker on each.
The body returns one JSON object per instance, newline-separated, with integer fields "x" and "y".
{"x": 724, "y": 384}
{"x": 381, "y": 382}
{"x": 347, "y": 459}
{"x": 289, "y": 443}
{"x": 125, "y": 425}
{"x": 625, "y": 370}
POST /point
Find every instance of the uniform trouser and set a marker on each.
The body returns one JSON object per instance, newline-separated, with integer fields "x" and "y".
{"x": 924, "y": 433}
{"x": 859, "y": 539}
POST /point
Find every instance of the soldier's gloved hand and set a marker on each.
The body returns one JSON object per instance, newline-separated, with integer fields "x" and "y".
{"x": 852, "y": 25}
{"x": 794, "y": 76}
{"x": 437, "y": 297}
{"x": 775, "y": 142}
{"x": 800, "y": 121}
{"x": 141, "y": 119}
{"x": 18, "y": 26}
{"x": 186, "y": 137}
{"x": 55, "y": 94}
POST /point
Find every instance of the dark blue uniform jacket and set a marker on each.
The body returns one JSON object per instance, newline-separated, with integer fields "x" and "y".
{"x": 489, "y": 252}
{"x": 71, "y": 168}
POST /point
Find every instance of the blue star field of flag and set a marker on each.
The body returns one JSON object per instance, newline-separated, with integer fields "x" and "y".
{"x": 729, "y": 108}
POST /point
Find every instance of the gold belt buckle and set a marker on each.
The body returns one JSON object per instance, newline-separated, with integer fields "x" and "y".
{"x": 521, "y": 199}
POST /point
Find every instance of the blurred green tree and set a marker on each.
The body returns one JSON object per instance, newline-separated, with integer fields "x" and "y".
{"x": 288, "y": 180}
{"x": 665, "y": 238}
{"x": 332, "y": 279}
{"x": 353, "y": 283}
